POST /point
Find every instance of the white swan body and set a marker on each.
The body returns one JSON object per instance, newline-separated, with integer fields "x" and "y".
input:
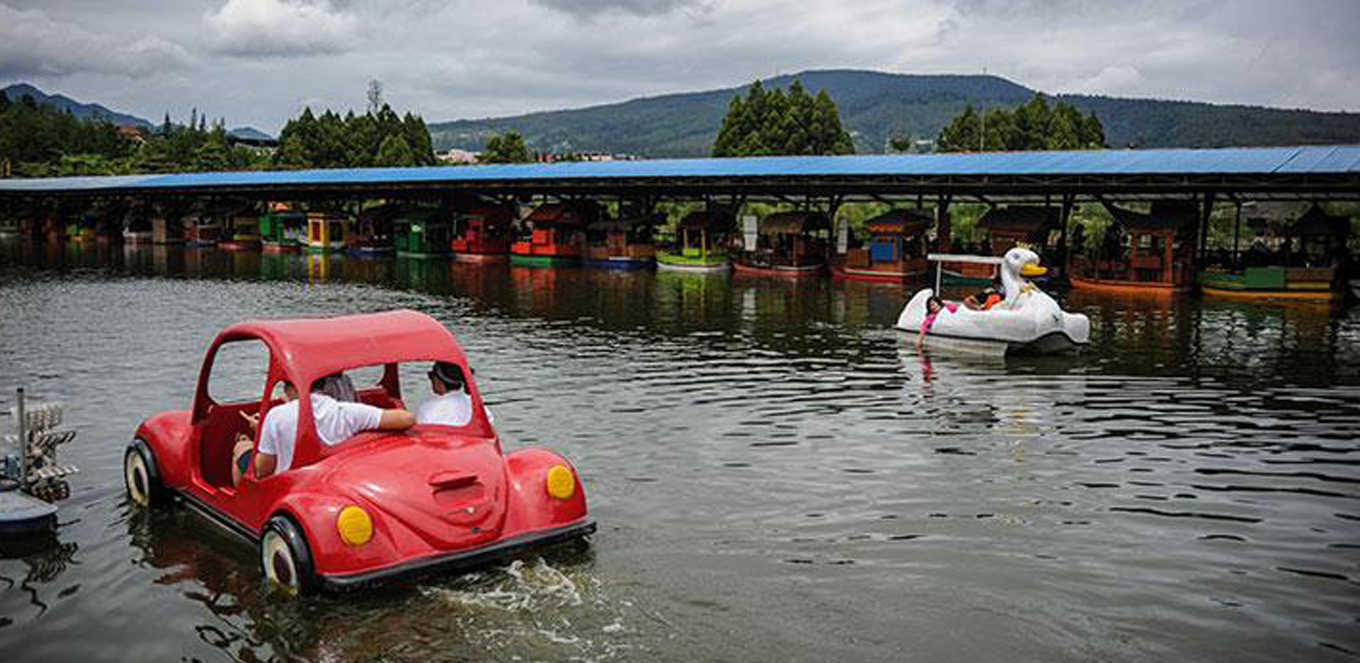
{"x": 1026, "y": 320}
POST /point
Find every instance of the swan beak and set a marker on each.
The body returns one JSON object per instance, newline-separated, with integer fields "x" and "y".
{"x": 1031, "y": 269}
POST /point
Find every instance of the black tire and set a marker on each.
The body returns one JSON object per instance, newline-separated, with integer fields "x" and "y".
{"x": 285, "y": 558}
{"x": 142, "y": 477}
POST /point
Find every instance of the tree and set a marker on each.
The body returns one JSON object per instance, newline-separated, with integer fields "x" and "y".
{"x": 1034, "y": 125}
{"x": 506, "y": 148}
{"x": 395, "y": 152}
{"x": 773, "y": 122}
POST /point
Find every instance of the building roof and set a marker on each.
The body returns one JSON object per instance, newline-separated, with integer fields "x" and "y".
{"x": 576, "y": 212}
{"x": 903, "y": 221}
{"x": 720, "y": 219}
{"x": 793, "y": 223}
{"x": 1334, "y": 167}
{"x": 1317, "y": 222}
{"x": 1020, "y": 218}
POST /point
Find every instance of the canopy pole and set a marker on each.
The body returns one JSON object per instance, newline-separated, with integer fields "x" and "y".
{"x": 1237, "y": 230}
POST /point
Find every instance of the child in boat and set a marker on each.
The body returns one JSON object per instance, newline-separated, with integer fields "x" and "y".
{"x": 987, "y": 298}
{"x": 934, "y": 306}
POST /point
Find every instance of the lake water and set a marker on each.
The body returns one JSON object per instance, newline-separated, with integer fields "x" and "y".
{"x": 776, "y": 475}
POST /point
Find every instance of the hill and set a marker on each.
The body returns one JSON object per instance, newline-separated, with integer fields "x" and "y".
{"x": 17, "y": 91}
{"x": 876, "y": 106}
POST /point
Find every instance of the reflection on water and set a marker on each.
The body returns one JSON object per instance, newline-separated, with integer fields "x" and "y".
{"x": 776, "y": 473}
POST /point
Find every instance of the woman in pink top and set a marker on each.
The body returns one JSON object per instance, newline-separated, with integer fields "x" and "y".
{"x": 933, "y": 307}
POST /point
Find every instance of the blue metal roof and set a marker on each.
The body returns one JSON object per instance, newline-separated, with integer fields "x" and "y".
{"x": 1325, "y": 160}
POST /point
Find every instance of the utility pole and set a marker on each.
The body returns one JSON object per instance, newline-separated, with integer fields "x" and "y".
{"x": 982, "y": 117}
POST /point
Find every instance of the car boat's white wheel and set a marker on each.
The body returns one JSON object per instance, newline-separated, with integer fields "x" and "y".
{"x": 140, "y": 476}
{"x": 284, "y": 557}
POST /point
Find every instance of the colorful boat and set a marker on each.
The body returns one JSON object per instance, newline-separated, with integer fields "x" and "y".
{"x": 558, "y": 236}
{"x": 240, "y": 227}
{"x": 702, "y": 239}
{"x": 201, "y": 230}
{"x": 421, "y": 232}
{"x": 482, "y": 234}
{"x": 1274, "y": 282}
{"x": 1322, "y": 241}
{"x": 1147, "y": 257}
{"x": 371, "y": 234}
{"x": 622, "y": 244}
{"x": 325, "y": 232}
{"x": 895, "y": 251}
{"x": 788, "y": 244}
{"x": 282, "y": 230}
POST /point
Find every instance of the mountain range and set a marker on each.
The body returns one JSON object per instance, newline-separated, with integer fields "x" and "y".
{"x": 875, "y": 106}
{"x": 96, "y": 111}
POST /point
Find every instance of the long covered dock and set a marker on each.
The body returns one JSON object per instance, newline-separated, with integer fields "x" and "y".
{"x": 1268, "y": 173}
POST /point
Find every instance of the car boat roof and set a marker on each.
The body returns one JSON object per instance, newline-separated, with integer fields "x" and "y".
{"x": 309, "y": 348}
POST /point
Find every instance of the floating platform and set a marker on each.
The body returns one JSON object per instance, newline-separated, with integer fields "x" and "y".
{"x": 23, "y": 514}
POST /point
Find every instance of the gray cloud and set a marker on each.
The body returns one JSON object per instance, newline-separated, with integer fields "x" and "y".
{"x": 593, "y": 8}
{"x": 449, "y": 59}
{"x": 34, "y": 44}
{"x": 280, "y": 28}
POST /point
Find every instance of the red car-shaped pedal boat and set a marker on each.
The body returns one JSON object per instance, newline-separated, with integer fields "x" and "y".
{"x": 377, "y": 505}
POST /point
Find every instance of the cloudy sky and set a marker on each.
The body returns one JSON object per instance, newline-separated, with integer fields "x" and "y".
{"x": 258, "y": 62}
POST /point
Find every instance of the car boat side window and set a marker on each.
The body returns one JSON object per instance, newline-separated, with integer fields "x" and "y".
{"x": 239, "y": 371}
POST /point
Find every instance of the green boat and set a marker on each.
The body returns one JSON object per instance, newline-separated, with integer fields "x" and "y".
{"x": 543, "y": 261}
{"x": 702, "y": 245}
{"x": 422, "y": 233}
{"x": 282, "y": 231}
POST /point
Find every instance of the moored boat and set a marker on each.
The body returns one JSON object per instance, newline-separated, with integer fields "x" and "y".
{"x": 325, "y": 232}
{"x": 895, "y": 251}
{"x": 371, "y": 233}
{"x": 701, "y": 243}
{"x": 282, "y": 229}
{"x": 1308, "y": 270}
{"x": 623, "y": 244}
{"x": 788, "y": 244}
{"x": 556, "y": 234}
{"x": 482, "y": 233}
{"x": 421, "y": 232}
{"x": 1141, "y": 253}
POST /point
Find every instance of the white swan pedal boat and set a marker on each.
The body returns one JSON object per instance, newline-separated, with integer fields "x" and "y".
{"x": 1027, "y": 320}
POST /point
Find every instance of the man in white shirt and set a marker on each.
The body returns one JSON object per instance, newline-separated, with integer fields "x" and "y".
{"x": 335, "y": 420}
{"x": 451, "y": 406}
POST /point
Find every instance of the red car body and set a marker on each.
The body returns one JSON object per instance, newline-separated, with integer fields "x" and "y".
{"x": 436, "y": 496}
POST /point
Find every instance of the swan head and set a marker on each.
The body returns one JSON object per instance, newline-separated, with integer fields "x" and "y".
{"x": 1022, "y": 263}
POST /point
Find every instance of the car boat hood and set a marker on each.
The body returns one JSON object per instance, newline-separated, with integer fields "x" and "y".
{"x": 431, "y": 487}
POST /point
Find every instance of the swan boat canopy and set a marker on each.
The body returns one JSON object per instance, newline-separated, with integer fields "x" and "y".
{"x": 1027, "y": 320}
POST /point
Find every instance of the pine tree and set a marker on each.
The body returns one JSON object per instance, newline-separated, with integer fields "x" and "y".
{"x": 395, "y": 152}
{"x": 506, "y": 148}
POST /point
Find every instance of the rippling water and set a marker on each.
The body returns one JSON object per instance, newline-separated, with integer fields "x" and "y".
{"x": 776, "y": 475}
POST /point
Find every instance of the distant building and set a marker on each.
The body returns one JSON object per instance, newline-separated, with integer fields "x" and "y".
{"x": 549, "y": 157}
{"x": 456, "y": 156}
{"x": 132, "y": 132}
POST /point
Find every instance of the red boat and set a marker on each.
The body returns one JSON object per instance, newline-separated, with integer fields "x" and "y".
{"x": 378, "y": 505}
{"x": 483, "y": 235}
{"x": 558, "y": 234}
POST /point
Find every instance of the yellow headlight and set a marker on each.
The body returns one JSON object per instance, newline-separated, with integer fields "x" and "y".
{"x": 561, "y": 484}
{"x": 1031, "y": 269}
{"x": 355, "y": 526}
